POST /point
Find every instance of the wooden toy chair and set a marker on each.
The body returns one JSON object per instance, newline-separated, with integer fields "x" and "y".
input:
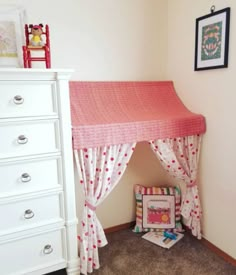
{"x": 28, "y": 49}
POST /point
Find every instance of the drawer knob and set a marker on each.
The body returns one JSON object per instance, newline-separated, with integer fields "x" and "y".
{"x": 29, "y": 214}
{"x": 25, "y": 177}
{"x": 47, "y": 249}
{"x": 18, "y": 100}
{"x": 22, "y": 139}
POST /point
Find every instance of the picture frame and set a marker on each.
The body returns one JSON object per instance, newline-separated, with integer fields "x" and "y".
{"x": 12, "y": 20}
{"x": 159, "y": 211}
{"x": 212, "y": 40}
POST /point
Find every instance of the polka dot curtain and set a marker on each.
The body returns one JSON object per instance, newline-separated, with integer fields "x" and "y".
{"x": 179, "y": 157}
{"x": 99, "y": 169}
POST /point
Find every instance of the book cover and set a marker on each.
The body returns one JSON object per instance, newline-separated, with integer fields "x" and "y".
{"x": 161, "y": 240}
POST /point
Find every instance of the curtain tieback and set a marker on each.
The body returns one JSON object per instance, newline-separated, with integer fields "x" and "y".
{"x": 90, "y": 206}
{"x": 192, "y": 183}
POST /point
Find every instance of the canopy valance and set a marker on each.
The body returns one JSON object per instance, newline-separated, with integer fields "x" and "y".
{"x": 106, "y": 113}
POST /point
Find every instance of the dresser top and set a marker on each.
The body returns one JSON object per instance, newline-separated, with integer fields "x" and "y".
{"x": 34, "y": 74}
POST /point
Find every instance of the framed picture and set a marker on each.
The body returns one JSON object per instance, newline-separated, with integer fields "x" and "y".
{"x": 158, "y": 211}
{"x": 12, "y": 20}
{"x": 212, "y": 40}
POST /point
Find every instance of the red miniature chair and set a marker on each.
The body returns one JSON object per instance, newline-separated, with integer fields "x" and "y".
{"x": 30, "y": 48}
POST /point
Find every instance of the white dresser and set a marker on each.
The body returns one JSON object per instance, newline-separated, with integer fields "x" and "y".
{"x": 38, "y": 224}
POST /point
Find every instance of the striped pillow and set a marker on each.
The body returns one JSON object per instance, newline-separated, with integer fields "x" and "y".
{"x": 142, "y": 190}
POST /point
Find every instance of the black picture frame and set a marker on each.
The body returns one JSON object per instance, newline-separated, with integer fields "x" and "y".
{"x": 212, "y": 40}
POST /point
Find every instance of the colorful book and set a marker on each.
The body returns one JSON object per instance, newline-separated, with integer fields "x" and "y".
{"x": 161, "y": 240}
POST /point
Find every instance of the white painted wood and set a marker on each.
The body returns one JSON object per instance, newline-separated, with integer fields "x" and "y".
{"x": 36, "y": 175}
{"x": 30, "y": 175}
{"x": 24, "y": 255}
{"x": 27, "y": 99}
{"x": 70, "y": 206}
{"x": 34, "y": 74}
{"x": 22, "y": 139}
{"x": 28, "y": 213}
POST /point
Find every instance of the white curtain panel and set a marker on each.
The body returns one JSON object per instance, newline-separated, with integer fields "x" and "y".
{"x": 99, "y": 170}
{"x": 179, "y": 156}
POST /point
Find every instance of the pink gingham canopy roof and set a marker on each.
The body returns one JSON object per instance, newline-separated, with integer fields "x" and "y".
{"x": 106, "y": 113}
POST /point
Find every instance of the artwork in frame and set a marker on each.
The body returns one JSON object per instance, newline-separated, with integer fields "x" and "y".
{"x": 159, "y": 211}
{"x": 212, "y": 40}
{"x": 12, "y": 20}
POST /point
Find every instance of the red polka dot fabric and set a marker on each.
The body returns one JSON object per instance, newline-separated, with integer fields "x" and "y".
{"x": 99, "y": 169}
{"x": 179, "y": 157}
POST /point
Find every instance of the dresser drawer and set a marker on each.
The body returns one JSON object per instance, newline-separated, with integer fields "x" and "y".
{"x": 22, "y": 139}
{"x": 33, "y": 253}
{"x": 28, "y": 213}
{"x": 23, "y": 99}
{"x": 29, "y": 176}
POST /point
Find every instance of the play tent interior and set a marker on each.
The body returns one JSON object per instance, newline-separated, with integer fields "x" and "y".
{"x": 108, "y": 119}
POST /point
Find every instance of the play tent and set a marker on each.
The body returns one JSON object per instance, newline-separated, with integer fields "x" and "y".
{"x": 108, "y": 119}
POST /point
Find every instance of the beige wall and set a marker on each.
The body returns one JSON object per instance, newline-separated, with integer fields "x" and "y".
{"x": 105, "y": 39}
{"x": 110, "y": 40}
{"x": 212, "y": 93}
{"x": 119, "y": 206}
{"x": 118, "y": 40}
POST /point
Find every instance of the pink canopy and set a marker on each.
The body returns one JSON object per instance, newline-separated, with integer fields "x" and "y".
{"x": 121, "y": 114}
{"x": 107, "y": 113}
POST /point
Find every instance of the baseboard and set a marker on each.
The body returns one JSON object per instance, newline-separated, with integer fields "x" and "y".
{"x": 219, "y": 252}
{"x": 205, "y": 242}
{"x": 119, "y": 227}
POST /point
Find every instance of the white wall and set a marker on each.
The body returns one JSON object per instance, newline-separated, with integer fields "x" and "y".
{"x": 105, "y": 39}
{"x": 212, "y": 93}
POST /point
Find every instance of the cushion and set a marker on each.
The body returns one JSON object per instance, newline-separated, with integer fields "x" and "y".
{"x": 141, "y": 192}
